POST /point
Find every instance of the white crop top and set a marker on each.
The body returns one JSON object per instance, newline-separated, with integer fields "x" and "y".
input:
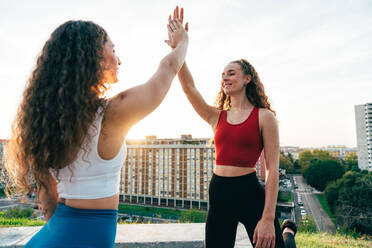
{"x": 90, "y": 176}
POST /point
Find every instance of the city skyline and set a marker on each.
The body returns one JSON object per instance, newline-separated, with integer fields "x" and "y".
{"x": 313, "y": 58}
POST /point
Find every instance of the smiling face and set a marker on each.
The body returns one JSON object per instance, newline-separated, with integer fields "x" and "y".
{"x": 233, "y": 79}
{"x": 111, "y": 63}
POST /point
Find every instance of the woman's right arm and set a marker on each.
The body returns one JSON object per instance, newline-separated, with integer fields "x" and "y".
{"x": 209, "y": 113}
{"x": 130, "y": 106}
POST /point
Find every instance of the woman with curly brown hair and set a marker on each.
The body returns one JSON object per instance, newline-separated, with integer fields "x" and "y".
{"x": 244, "y": 124}
{"x": 69, "y": 140}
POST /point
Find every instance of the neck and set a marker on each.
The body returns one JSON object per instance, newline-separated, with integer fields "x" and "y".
{"x": 240, "y": 102}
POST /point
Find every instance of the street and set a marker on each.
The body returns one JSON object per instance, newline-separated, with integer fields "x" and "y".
{"x": 312, "y": 206}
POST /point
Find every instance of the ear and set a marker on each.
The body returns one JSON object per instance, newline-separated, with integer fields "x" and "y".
{"x": 248, "y": 79}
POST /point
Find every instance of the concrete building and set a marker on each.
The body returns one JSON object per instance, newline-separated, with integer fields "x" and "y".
{"x": 170, "y": 172}
{"x": 340, "y": 152}
{"x": 363, "y": 118}
{"x": 293, "y": 150}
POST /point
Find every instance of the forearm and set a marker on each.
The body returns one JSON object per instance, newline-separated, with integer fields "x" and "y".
{"x": 48, "y": 199}
{"x": 175, "y": 59}
{"x": 271, "y": 194}
{"x": 186, "y": 79}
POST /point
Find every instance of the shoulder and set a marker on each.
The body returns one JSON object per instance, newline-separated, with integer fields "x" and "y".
{"x": 265, "y": 116}
{"x": 264, "y": 113}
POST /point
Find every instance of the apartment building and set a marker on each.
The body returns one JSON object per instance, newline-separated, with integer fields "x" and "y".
{"x": 363, "y": 119}
{"x": 170, "y": 172}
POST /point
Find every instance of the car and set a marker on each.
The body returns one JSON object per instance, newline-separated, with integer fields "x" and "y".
{"x": 300, "y": 203}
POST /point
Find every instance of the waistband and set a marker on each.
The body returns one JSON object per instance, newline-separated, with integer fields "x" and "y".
{"x": 64, "y": 210}
{"x": 248, "y": 177}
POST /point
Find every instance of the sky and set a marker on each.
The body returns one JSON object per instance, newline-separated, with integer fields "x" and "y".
{"x": 313, "y": 57}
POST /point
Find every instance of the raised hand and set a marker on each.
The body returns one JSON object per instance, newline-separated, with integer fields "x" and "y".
{"x": 175, "y": 24}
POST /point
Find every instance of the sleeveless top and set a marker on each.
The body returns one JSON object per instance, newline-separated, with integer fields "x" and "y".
{"x": 238, "y": 144}
{"x": 90, "y": 176}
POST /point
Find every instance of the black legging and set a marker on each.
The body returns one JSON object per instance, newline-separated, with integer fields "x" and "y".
{"x": 233, "y": 200}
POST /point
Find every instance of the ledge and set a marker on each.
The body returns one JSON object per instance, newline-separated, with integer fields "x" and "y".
{"x": 136, "y": 236}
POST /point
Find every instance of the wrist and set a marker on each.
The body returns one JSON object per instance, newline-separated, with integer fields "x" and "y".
{"x": 268, "y": 217}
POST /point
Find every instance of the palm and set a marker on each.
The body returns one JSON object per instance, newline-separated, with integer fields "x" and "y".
{"x": 177, "y": 15}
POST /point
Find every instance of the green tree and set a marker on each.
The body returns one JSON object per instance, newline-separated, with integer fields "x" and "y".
{"x": 351, "y": 162}
{"x": 350, "y": 199}
{"x": 320, "y": 172}
{"x": 307, "y": 156}
{"x": 285, "y": 162}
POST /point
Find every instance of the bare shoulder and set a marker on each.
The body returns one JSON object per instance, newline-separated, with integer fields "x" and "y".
{"x": 266, "y": 115}
{"x": 266, "y": 119}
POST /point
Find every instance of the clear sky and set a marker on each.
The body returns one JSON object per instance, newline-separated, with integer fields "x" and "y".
{"x": 314, "y": 57}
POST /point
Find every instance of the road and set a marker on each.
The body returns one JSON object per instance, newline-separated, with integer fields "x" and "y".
{"x": 313, "y": 207}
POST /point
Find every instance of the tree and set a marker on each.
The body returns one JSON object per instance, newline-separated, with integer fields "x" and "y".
{"x": 285, "y": 162}
{"x": 351, "y": 162}
{"x": 350, "y": 199}
{"x": 307, "y": 156}
{"x": 320, "y": 172}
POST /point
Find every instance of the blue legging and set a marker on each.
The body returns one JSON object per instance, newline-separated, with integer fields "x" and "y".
{"x": 73, "y": 227}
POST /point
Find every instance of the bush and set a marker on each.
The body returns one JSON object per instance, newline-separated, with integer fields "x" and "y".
{"x": 193, "y": 216}
{"x": 18, "y": 213}
{"x": 307, "y": 225}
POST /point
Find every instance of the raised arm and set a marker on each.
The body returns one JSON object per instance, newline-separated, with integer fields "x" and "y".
{"x": 208, "y": 113}
{"x": 130, "y": 106}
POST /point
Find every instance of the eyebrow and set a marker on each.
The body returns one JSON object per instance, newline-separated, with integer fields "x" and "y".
{"x": 231, "y": 70}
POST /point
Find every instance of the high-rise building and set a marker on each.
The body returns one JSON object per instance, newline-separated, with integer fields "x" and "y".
{"x": 363, "y": 118}
{"x": 170, "y": 172}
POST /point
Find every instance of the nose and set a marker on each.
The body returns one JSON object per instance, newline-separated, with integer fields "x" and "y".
{"x": 119, "y": 62}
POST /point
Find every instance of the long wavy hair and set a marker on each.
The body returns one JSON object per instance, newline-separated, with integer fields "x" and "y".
{"x": 60, "y": 102}
{"x": 254, "y": 91}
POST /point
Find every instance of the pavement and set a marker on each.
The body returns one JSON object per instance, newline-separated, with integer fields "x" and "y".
{"x": 137, "y": 236}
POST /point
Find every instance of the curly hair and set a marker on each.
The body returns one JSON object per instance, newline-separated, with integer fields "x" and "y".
{"x": 254, "y": 91}
{"x": 60, "y": 102}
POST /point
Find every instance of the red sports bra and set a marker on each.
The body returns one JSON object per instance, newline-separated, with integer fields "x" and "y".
{"x": 238, "y": 144}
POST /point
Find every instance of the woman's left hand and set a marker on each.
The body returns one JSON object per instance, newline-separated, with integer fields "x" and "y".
{"x": 264, "y": 234}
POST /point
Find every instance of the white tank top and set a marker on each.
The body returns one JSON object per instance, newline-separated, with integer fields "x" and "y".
{"x": 90, "y": 176}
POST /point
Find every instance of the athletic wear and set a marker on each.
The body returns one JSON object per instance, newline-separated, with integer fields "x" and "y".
{"x": 233, "y": 200}
{"x": 238, "y": 145}
{"x": 78, "y": 228}
{"x": 90, "y": 176}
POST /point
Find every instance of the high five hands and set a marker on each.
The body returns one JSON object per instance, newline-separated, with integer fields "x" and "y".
{"x": 176, "y": 31}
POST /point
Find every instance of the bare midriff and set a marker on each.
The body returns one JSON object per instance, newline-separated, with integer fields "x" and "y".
{"x": 111, "y": 202}
{"x": 232, "y": 171}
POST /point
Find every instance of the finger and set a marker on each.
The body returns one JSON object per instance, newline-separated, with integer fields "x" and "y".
{"x": 254, "y": 236}
{"x": 181, "y": 17}
{"x": 187, "y": 26}
{"x": 177, "y": 13}
{"x": 169, "y": 30}
{"x": 174, "y": 14}
{"x": 272, "y": 243}
{"x": 173, "y": 25}
{"x": 168, "y": 43}
{"x": 264, "y": 243}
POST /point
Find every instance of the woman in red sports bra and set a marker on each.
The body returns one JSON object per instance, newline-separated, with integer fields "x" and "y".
{"x": 244, "y": 124}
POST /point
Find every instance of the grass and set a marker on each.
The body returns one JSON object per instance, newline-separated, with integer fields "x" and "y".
{"x": 285, "y": 196}
{"x": 324, "y": 240}
{"x": 192, "y": 215}
{"x": 14, "y": 222}
{"x": 323, "y": 202}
